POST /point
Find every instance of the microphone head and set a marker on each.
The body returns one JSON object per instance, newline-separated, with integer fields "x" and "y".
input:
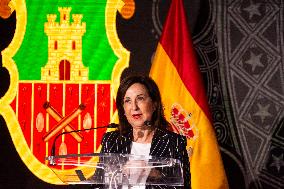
{"x": 112, "y": 125}
{"x": 148, "y": 123}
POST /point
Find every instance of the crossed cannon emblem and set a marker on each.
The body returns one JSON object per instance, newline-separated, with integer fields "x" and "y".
{"x": 62, "y": 122}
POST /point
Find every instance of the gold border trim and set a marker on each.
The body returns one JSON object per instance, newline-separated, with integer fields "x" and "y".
{"x": 123, "y": 54}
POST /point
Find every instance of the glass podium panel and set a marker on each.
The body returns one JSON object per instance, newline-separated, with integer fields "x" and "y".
{"x": 117, "y": 170}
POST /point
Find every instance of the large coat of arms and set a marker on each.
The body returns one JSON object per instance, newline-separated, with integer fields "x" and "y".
{"x": 65, "y": 61}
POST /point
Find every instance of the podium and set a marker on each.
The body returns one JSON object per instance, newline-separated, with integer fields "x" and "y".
{"x": 111, "y": 170}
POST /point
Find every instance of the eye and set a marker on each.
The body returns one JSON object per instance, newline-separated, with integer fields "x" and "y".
{"x": 126, "y": 101}
{"x": 140, "y": 98}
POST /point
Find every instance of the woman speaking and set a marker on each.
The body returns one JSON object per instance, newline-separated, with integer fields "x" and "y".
{"x": 143, "y": 127}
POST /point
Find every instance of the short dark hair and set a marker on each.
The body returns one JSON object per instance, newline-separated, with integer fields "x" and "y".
{"x": 158, "y": 119}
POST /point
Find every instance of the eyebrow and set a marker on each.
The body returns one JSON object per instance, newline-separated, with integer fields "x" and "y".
{"x": 142, "y": 94}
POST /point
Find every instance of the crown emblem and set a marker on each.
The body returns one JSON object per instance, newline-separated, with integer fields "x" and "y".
{"x": 182, "y": 121}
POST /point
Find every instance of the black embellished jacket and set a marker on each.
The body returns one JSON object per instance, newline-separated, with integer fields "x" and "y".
{"x": 164, "y": 144}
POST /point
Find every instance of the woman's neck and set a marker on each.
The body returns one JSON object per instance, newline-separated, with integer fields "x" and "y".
{"x": 143, "y": 135}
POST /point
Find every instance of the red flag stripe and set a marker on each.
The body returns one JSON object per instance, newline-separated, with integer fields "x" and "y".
{"x": 176, "y": 37}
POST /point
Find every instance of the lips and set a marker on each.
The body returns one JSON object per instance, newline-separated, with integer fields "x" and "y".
{"x": 136, "y": 116}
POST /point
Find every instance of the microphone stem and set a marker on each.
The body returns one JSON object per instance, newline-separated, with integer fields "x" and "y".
{"x": 111, "y": 125}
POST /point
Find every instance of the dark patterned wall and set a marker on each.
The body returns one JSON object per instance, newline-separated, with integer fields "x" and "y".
{"x": 250, "y": 43}
{"x": 240, "y": 51}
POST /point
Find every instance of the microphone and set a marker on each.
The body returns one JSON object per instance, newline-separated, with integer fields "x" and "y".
{"x": 52, "y": 153}
{"x": 148, "y": 123}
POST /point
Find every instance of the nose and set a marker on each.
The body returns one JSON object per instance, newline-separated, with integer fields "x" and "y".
{"x": 135, "y": 105}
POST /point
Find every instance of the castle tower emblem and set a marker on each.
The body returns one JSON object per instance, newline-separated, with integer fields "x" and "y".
{"x": 64, "y": 47}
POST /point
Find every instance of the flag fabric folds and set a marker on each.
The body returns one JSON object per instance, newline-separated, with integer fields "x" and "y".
{"x": 176, "y": 72}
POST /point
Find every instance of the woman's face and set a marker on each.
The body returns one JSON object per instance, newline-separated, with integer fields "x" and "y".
{"x": 138, "y": 105}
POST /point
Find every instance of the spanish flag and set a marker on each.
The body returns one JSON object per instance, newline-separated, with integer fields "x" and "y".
{"x": 176, "y": 72}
